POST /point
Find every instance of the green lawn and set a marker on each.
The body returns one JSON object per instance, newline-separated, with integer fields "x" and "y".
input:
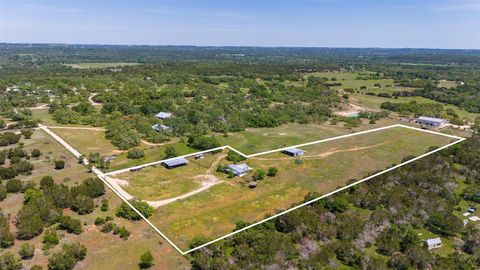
{"x": 215, "y": 211}
{"x": 87, "y": 141}
{"x": 254, "y": 140}
{"x": 157, "y": 182}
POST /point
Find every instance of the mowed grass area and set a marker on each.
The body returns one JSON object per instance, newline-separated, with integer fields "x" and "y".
{"x": 157, "y": 182}
{"x": 100, "y": 65}
{"x": 87, "y": 141}
{"x": 374, "y": 102}
{"x": 214, "y": 212}
{"x": 255, "y": 140}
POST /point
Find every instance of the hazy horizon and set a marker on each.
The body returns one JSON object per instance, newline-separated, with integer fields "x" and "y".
{"x": 428, "y": 24}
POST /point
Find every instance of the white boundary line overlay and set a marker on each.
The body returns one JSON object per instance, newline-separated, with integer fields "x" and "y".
{"x": 102, "y": 175}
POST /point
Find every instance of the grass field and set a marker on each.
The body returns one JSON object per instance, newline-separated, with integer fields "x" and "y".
{"x": 87, "y": 141}
{"x": 350, "y": 80}
{"x": 324, "y": 168}
{"x": 157, "y": 182}
{"x": 374, "y": 102}
{"x": 254, "y": 140}
{"x": 100, "y": 65}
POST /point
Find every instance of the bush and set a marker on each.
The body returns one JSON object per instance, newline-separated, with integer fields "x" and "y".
{"x": 234, "y": 156}
{"x": 36, "y": 153}
{"x": 59, "y": 164}
{"x": 50, "y": 239}
{"x": 258, "y": 175}
{"x": 8, "y": 261}
{"x": 47, "y": 181}
{"x": 135, "y": 153}
{"x": 68, "y": 257}
{"x": 99, "y": 221}
{"x": 83, "y": 205}
{"x": 26, "y": 251}
{"x": 14, "y": 186}
{"x": 108, "y": 227}
{"x": 104, "y": 206}
{"x": 127, "y": 212}
{"x": 146, "y": 260}
{"x": 272, "y": 171}
{"x": 27, "y": 133}
{"x": 170, "y": 152}
{"x": 7, "y": 238}
{"x": 3, "y": 192}
{"x": 71, "y": 225}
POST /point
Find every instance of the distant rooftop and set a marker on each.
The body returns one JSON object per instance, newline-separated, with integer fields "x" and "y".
{"x": 431, "y": 119}
{"x": 294, "y": 151}
{"x": 163, "y": 115}
{"x": 434, "y": 241}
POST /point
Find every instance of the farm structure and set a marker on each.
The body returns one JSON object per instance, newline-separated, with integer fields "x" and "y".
{"x": 431, "y": 122}
{"x": 174, "y": 163}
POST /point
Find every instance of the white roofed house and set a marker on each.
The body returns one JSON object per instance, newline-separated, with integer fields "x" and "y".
{"x": 163, "y": 115}
{"x": 433, "y": 243}
{"x": 160, "y": 127}
{"x": 238, "y": 169}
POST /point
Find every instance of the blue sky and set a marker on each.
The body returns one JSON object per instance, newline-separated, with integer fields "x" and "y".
{"x": 312, "y": 23}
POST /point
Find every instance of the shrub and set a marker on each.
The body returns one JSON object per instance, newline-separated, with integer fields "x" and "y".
{"x": 272, "y": 171}
{"x": 258, "y": 175}
{"x": 14, "y": 186}
{"x": 26, "y": 251}
{"x": 50, "y": 239}
{"x": 83, "y": 205}
{"x": 71, "y": 225}
{"x": 36, "y": 153}
{"x": 3, "y": 192}
{"x": 99, "y": 221}
{"x": 146, "y": 260}
{"x": 234, "y": 156}
{"x": 47, "y": 181}
{"x": 27, "y": 133}
{"x": 6, "y": 237}
{"x": 59, "y": 164}
{"x": 127, "y": 212}
{"x": 135, "y": 153}
{"x": 104, "y": 206}
{"x": 9, "y": 261}
{"x": 68, "y": 257}
{"x": 170, "y": 152}
{"x": 108, "y": 227}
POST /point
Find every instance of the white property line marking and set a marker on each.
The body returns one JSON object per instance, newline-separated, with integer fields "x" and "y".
{"x": 101, "y": 176}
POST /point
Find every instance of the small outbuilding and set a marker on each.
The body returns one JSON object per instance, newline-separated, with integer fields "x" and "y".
{"x": 433, "y": 243}
{"x": 174, "y": 163}
{"x": 238, "y": 169}
{"x": 199, "y": 156}
{"x": 163, "y": 115}
{"x": 294, "y": 152}
{"x": 431, "y": 122}
{"x": 160, "y": 127}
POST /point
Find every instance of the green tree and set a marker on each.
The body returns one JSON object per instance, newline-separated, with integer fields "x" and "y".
{"x": 170, "y": 152}
{"x": 146, "y": 260}
{"x": 272, "y": 171}
{"x": 27, "y": 251}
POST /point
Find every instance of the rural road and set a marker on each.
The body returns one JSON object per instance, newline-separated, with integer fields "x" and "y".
{"x": 90, "y": 99}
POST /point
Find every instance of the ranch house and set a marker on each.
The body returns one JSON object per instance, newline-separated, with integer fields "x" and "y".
{"x": 238, "y": 169}
{"x": 163, "y": 115}
{"x": 433, "y": 243}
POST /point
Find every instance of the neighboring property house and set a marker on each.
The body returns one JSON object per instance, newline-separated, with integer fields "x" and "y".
{"x": 433, "y": 243}
{"x": 163, "y": 115}
{"x": 174, "y": 163}
{"x": 160, "y": 127}
{"x": 294, "y": 152}
{"x": 238, "y": 169}
{"x": 431, "y": 122}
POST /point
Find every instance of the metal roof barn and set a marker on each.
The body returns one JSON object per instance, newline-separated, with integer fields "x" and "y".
{"x": 173, "y": 163}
